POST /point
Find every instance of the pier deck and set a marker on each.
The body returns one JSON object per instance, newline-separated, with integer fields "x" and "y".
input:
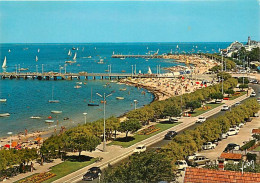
{"x": 80, "y": 75}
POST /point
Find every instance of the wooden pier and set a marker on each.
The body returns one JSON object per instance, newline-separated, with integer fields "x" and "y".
{"x": 137, "y": 56}
{"x": 80, "y": 75}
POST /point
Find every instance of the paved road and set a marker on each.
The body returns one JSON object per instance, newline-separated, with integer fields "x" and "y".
{"x": 116, "y": 154}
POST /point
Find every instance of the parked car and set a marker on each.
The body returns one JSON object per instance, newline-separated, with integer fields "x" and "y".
{"x": 200, "y": 160}
{"x": 201, "y": 119}
{"x": 256, "y": 115}
{"x": 248, "y": 119}
{"x": 173, "y": 120}
{"x": 253, "y": 94}
{"x": 258, "y": 99}
{"x": 224, "y": 136}
{"x": 208, "y": 145}
{"x": 235, "y": 127}
{"x": 215, "y": 142}
{"x": 191, "y": 158}
{"x": 92, "y": 174}
{"x": 237, "y": 103}
{"x": 225, "y": 108}
{"x": 140, "y": 148}
{"x": 218, "y": 101}
{"x": 170, "y": 135}
{"x": 241, "y": 125}
{"x": 231, "y": 146}
{"x": 232, "y": 131}
{"x": 181, "y": 164}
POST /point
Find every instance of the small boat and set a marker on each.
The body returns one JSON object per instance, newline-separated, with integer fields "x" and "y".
{"x": 56, "y": 112}
{"x": 73, "y": 48}
{"x": 38, "y": 50}
{"x": 85, "y": 83}
{"x": 123, "y": 71}
{"x": 77, "y": 86}
{"x": 120, "y": 98}
{"x": 69, "y": 53}
{"x": 89, "y": 57}
{"x": 92, "y": 102}
{"x": 9, "y": 51}
{"x": 75, "y": 56}
{"x": 4, "y": 114}
{"x": 122, "y": 58}
{"x": 52, "y": 100}
{"x": 4, "y": 63}
{"x": 122, "y": 89}
{"x": 23, "y": 69}
{"x": 3, "y": 99}
{"x": 36, "y": 59}
{"x": 35, "y": 117}
{"x": 101, "y": 61}
{"x": 66, "y": 118}
{"x": 49, "y": 121}
{"x": 149, "y": 71}
{"x": 80, "y": 83}
{"x": 70, "y": 62}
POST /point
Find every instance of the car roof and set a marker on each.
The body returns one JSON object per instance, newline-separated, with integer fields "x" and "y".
{"x": 94, "y": 168}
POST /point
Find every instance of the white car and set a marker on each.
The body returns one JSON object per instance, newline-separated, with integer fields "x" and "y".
{"x": 241, "y": 125}
{"x": 258, "y": 99}
{"x": 237, "y": 103}
{"x": 181, "y": 164}
{"x": 253, "y": 94}
{"x": 225, "y": 108}
{"x": 232, "y": 131}
{"x": 208, "y": 145}
{"x": 140, "y": 148}
{"x": 224, "y": 135}
{"x": 256, "y": 115}
{"x": 235, "y": 127}
{"x": 201, "y": 119}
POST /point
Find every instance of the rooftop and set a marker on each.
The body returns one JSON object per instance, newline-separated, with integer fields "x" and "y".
{"x": 231, "y": 156}
{"x": 256, "y": 131}
{"x": 201, "y": 175}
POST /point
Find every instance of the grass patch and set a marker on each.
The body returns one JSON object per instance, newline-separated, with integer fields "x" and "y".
{"x": 257, "y": 148}
{"x": 207, "y": 108}
{"x": 137, "y": 138}
{"x": 232, "y": 97}
{"x": 69, "y": 166}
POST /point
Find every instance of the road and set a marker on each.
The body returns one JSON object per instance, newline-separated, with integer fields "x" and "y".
{"x": 116, "y": 154}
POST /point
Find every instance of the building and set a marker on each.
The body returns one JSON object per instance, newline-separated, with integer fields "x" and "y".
{"x": 251, "y": 44}
{"x": 231, "y": 158}
{"x": 201, "y": 175}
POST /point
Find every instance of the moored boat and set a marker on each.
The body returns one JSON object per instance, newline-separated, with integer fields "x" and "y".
{"x": 77, "y": 86}
{"x": 49, "y": 121}
{"x": 3, "y": 99}
{"x": 4, "y": 114}
{"x": 56, "y": 112}
{"x": 120, "y": 98}
{"x": 122, "y": 89}
{"x": 35, "y": 117}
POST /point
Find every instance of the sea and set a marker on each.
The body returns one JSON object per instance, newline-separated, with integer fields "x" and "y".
{"x": 26, "y": 98}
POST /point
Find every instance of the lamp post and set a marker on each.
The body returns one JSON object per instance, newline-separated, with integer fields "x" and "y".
{"x": 104, "y": 102}
{"x": 132, "y": 70}
{"x": 85, "y": 115}
{"x": 135, "y": 101}
{"x": 10, "y": 133}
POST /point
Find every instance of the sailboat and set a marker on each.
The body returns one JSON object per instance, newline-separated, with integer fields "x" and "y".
{"x": 177, "y": 47}
{"x": 9, "y": 51}
{"x": 36, "y": 59}
{"x": 52, "y": 100}
{"x": 69, "y": 53}
{"x": 149, "y": 70}
{"x": 75, "y": 56}
{"x": 92, "y": 102}
{"x": 4, "y": 63}
{"x": 38, "y": 50}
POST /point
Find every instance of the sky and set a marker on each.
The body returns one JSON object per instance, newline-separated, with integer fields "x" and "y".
{"x": 129, "y": 21}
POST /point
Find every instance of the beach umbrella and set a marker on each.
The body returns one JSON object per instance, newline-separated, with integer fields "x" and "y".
{"x": 7, "y": 145}
{"x": 197, "y": 82}
{"x": 49, "y": 117}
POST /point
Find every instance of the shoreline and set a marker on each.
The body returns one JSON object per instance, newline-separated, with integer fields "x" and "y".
{"x": 155, "y": 90}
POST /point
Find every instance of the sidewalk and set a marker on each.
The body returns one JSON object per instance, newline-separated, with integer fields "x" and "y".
{"x": 115, "y": 153}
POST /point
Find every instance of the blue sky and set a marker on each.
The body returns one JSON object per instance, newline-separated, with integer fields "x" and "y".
{"x": 145, "y": 21}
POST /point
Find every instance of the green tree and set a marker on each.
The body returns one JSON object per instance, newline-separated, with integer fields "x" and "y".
{"x": 130, "y": 125}
{"x": 216, "y": 95}
{"x": 229, "y": 92}
{"x": 193, "y": 105}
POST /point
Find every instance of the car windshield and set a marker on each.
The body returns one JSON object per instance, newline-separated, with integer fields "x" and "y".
{"x": 139, "y": 147}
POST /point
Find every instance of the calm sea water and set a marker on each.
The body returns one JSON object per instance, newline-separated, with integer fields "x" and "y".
{"x": 26, "y": 98}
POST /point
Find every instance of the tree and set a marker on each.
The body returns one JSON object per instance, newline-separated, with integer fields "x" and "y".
{"x": 216, "y": 68}
{"x": 171, "y": 110}
{"x": 242, "y": 87}
{"x": 225, "y": 75}
{"x": 216, "y": 95}
{"x": 193, "y": 105}
{"x": 142, "y": 168}
{"x": 130, "y": 125}
{"x": 229, "y": 92}
{"x": 80, "y": 139}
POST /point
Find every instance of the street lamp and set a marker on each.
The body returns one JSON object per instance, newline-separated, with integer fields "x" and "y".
{"x": 85, "y": 115}
{"x": 135, "y": 101}
{"x": 10, "y": 133}
{"x": 104, "y": 102}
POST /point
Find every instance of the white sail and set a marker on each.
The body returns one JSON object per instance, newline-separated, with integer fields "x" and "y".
{"x": 36, "y": 59}
{"x": 38, "y": 50}
{"x": 69, "y": 53}
{"x": 177, "y": 46}
{"x": 75, "y": 56}
{"x": 9, "y": 50}
{"x": 149, "y": 70}
{"x": 140, "y": 72}
{"x": 4, "y": 63}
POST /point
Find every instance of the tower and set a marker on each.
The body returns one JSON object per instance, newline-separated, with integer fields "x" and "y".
{"x": 249, "y": 41}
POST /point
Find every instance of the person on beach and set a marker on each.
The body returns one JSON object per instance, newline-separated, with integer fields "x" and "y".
{"x": 25, "y": 132}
